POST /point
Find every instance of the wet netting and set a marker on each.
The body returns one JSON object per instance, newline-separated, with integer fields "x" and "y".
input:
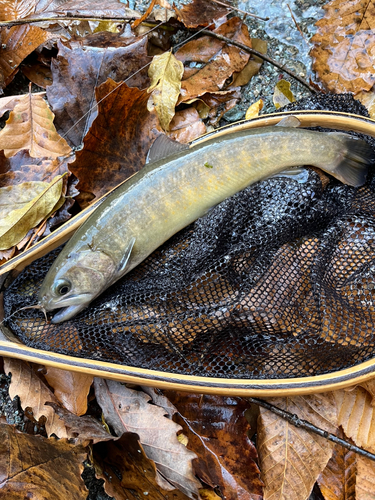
{"x": 275, "y": 282}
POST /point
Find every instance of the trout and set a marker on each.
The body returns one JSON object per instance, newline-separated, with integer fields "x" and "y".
{"x": 170, "y": 193}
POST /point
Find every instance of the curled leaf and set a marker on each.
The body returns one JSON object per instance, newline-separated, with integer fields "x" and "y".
{"x": 165, "y": 73}
{"x": 282, "y": 94}
{"x": 254, "y": 109}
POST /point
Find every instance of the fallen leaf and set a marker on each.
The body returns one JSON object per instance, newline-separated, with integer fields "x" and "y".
{"x": 39, "y": 468}
{"x": 356, "y": 415}
{"x": 23, "y": 378}
{"x": 11, "y": 10}
{"x": 127, "y": 410}
{"x": 30, "y": 126}
{"x": 145, "y": 15}
{"x": 38, "y": 73}
{"x": 282, "y": 94}
{"x": 126, "y": 469}
{"x": 291, "y": 459}
{"x": 368, "y": 100}
{"x": 252, "y": 67}
{"x": 35, "y": 202}
{"x": 70, "y": 388}
{"x": 213, "y": 61}
{"x": 165, "y": 73}
{"x": 207, "y": 494}
{"x": 84, "y": 64}
{"x": 344, "y": 46}
{"x": 200, "y": 13}
{"x": 216, "y": 428}
{"x": 186, "y": 126}
{"x": 254, "y": 110}
{"x": 117, "y": 144}
{"x": 365, "y": 479}
{"x": 17, "y": 43}
{"x": 9, "y": 102}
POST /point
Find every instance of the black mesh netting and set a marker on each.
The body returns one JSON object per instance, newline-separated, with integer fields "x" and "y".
{"x": 275, "y": 282}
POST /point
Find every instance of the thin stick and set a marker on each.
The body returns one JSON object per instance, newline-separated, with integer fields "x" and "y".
{"x": 304, "y": 424}
{"x": 262, "y": 56}
{"x": 17, "y": 22}
{"x": 242, "y": 11}
{"x": 299, "y": 29}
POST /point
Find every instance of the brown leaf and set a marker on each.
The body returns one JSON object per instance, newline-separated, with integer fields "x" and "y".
{"x": 344, "y": 46}
{"x": 200, "y": 13}
{"x": 86, "y": 63}
{"x": 11, "y": 10}
{"x": 33, "y": 393}
{"x": 365, "y": 479}
{"x": 125, "y": 469}
{"x": 70, "y": 388}
{"x": 252, "y": 67}
{"x": 216, "y": 428}
{"x": 18, "y": 42}
{"x": 38, "y": 73}
{"x": 127, "y": 410}
{"x": 186, "y": 126}
{"x": 291, "y": 459}
{"x": 30, "y": 126}
{"x": 220, "y": 60}
{"x": 118, "y": 142}
{"x": 39, "y": 468}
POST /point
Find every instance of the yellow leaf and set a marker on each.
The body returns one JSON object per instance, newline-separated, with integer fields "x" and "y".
{"x": 208, "y": 494}
{"x": 282, "y": 94}
{"x": 254, "y": 109}
{"x": 165, "y": 73}
{"x": 112, "y": 27}
{"x": 30, "y": 126}
{"x": 368, "y": 100}
{"x": 34, "y": 201}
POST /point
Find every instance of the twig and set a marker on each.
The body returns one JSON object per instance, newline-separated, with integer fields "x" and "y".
{"x": 17, "y": 22}
{"x": 262, "y": 56}
{"x": 304, "y": 424}
{"x": 299, "y": 29}
{"x": 239, "y": 10}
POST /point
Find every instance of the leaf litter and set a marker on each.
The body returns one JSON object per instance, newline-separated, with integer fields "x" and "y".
{"x": 114, "y": 138}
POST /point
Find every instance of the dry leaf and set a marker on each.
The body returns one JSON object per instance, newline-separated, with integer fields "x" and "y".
{"x": 165, "y": 73}
{"x": 344, "y": 46}
{"x": 282, "y": 94}
{"x": 254, "y": 110}
{"x": 291, "y": 459}
{"x": 35, "y": 201}
{"x": 38, "y": 73}
{"x": 127, "y": 410}
{"x": 200, "y": 13}
{"x": 24, "y": 378}
{"x": 70, "y": 388}
{"x": 33, "y": 467}
{"x": 186, "y": 126}
{"x": 30, "y": 126}
{"x": 252, "y": 67}
{"x": 368, "y": 100}
{"x": 118, "y": 142}
{"x": 217, "y": 428}
{"x": 365, "y": 479}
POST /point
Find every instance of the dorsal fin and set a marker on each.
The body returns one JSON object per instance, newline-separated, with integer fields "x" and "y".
{"x": 289, "y": 121}
{"x": 163, "y": 147}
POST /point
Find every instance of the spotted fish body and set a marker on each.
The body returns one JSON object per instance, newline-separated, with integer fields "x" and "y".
{"x": 168, "y": 194}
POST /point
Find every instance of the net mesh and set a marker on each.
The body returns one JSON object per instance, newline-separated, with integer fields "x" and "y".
{"x": 275, "y": 282}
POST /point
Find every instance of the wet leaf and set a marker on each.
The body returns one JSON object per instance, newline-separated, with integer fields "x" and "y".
{"x": 200, "y": 13}
{"x": 38, "y": 73}
{"x": 30, "y": 126}
{"x": 125, "y": 469}
{"x": 127, "y": 410}
{"x": 17, "y": 43}
{"x": 254, "y": 110}
{"x": 35, "y": 201}
{"x": 86, "y": 63}
{"x": 165, "y": 73}
{"x": 291, "y": 459}
{"x": 344, "y": 46}
{"x": 24, "y": 378}
{"x": 282, "y": 94}
{"x": 216, "y": 428}
{"x": 39, "y": 468}
{"x": 368, "y": 100}
{"x": 253, "y": 66}
{"x": 213, "y": 61}
{"x": 186, "y": 126}
{"x": 11, "y": 10}
{"x": 118, "y": 142}
{"x": 70, "y": 388}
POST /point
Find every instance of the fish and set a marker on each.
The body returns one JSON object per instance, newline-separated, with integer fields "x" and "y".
{"x": 176, "y": 188}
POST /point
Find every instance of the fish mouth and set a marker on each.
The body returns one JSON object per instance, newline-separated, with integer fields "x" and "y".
{"x": 67, "y": 313}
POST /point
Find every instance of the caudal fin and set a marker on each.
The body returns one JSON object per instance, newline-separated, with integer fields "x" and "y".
{"x": 352, "y": 166}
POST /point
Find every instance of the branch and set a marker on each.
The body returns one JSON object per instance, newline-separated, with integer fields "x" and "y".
{"x": 304, "y": 424}
{"x": 262, "y": 56}
{"x": 17, "y": 22}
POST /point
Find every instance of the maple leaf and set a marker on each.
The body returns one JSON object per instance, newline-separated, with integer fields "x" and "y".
{"x": 344, "y": 46}
{"x": 30, "y": 126}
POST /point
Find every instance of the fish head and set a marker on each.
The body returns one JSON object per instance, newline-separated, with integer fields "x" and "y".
{"x": 74, "y": 281}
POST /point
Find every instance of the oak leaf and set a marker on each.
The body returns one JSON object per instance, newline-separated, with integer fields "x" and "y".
{"x": 39, "y": 468}
{"x": 35, "y": 201}
{"x": 126, "y": 410}
{"x": 291, "y": 459}
{"x": 165, "y": 73}
{"x": 344, "y": 46}
{"x": 30, "y": 126}
{"x": 70, "y": 388}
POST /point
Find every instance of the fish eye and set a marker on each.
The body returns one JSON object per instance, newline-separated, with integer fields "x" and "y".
{"x": 62, "y": 287}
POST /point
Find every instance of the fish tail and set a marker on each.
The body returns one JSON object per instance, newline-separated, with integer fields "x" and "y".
{"x": 352, "y": 162}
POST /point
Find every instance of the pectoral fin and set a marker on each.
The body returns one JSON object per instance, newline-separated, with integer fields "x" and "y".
{"x": 289, "y": 121}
